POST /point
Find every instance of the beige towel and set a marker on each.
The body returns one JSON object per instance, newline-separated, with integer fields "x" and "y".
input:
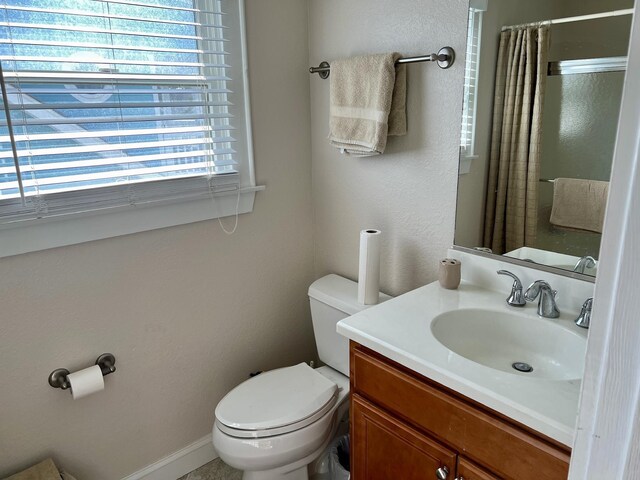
{"x": 368, "y": 103}
{"x": 45, "y": 470}
{"x": 579, "y": 204}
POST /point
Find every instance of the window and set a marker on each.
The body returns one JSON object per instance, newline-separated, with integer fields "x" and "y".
{"x": 110, "y": 104}
{"x": 474, "y": 33}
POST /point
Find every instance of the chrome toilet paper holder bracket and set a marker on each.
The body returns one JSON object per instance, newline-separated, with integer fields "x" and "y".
{"x": 58, "y": 378}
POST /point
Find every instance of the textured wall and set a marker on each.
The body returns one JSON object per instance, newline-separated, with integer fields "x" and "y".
{"x": 409, "y": 192}
{"x": 188, "y": 311}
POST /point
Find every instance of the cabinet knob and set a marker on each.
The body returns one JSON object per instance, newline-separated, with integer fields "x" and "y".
{"x": 442, "y": 473}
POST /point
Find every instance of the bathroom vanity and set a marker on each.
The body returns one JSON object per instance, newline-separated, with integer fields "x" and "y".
{"x": 405, "y": 426}
{"x": 435, "y": 385}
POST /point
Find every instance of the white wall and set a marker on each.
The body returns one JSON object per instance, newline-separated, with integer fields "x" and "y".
{"x": 188, "y": 311}
{"x": 410, "y": 191}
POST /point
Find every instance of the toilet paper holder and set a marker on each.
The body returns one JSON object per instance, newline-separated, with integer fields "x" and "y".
{"x": 58, "y": 378}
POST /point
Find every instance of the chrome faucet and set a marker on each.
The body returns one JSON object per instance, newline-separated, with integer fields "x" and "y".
{"x": 584, "y": 319}
{"x": 547, "y": 304}
{"x": 585, "y": 262}
{"x": 515, "y": 299}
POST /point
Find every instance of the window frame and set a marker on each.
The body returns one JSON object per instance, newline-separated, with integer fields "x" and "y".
{"x": 467, "y": 152}
{"x": 56, "y": 231}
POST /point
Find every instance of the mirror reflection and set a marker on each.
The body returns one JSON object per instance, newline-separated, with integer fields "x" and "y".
{"x": 543, "y": 85}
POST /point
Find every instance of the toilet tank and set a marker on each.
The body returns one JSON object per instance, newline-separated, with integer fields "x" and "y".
{"x": 333, "y": 298}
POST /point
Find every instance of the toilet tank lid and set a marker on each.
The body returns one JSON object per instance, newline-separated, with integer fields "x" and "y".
{"x": 340, "y": 293}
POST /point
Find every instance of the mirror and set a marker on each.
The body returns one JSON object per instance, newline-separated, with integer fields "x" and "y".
{"x": 543, "y": 85}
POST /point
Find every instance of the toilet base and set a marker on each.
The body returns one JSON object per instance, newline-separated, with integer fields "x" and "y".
{"x": 297, "y": 474}
{"x": 298, "y": 470}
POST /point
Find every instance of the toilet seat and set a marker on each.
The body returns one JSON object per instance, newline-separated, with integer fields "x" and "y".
{"x": 276, "y": 402}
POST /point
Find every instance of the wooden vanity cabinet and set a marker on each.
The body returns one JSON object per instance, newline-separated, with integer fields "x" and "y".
{"x": 405, "y": 426}
{"x": 467, "y": 470}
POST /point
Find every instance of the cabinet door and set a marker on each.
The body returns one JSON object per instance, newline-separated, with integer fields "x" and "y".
{"x": 469, "y": 471}
{"x": 384, "y": 448}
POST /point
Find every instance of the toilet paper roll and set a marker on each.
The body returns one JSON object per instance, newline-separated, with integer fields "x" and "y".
{"x": 85, "y": 382}
{"x": 369, "y": 272}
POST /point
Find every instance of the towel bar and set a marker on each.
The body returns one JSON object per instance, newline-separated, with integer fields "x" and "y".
{"x": 444, "y": 58}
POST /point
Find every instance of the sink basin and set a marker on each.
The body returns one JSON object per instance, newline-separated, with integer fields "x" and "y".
{"x": 552, "y": 259}
{"x": 498, "y": 339}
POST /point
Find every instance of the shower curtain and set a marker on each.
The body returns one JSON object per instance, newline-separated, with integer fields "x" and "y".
{"x": 511, "y": 213}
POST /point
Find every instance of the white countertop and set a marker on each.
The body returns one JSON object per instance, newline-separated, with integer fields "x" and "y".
{"x": 400, "y": 330}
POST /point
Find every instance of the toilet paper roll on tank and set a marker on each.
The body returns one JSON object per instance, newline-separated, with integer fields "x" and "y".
{"x": 369, "y": 268}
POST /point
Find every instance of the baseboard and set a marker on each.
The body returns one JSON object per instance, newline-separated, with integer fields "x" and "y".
{"x": 178, "y": 463}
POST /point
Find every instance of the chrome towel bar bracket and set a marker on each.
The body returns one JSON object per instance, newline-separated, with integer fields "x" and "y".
{"x": 445, "y": 57}
{"x": 58, "y": 378}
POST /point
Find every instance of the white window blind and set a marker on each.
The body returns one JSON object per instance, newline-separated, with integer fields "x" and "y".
{"x": 110, "y": 103}
{"x": 474, "y": 34}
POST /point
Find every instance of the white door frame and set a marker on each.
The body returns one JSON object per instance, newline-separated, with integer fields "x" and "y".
{"x": 607, "y": 443}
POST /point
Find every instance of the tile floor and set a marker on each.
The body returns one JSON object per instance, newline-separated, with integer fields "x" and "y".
{"x": 215, "y": 470}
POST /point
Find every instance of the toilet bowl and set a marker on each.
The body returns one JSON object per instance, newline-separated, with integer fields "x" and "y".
{"x": 274, "y": 425}
{"x": 270, "y": 445}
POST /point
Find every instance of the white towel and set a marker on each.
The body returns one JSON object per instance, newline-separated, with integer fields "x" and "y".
{"x": 368, "y": 103}
{"x": 579, "y": 204}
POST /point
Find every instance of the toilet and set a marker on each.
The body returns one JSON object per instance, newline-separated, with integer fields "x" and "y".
{"x": 274, "y": 425}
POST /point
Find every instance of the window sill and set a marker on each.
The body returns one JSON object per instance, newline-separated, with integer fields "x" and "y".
{"x": 465, "y": 163}
{"x": 48, "y": 233}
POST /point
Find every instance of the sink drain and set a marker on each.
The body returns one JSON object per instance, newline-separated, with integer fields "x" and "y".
{"x": 522, "y": 367}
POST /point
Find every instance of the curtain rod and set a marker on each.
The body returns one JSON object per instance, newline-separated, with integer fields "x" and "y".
{"x": 445, "y": 58}
{"x": 592, "y": 16}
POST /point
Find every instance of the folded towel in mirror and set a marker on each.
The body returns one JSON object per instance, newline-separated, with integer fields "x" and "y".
{"x": 368, "y": 103}
{"x": 579, "y": 204}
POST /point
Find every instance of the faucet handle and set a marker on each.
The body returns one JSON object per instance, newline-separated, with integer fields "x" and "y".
{"x": 515, "y": 299}
{"x": 535, "y": 288}
{"x": 585, "y": 262}
{"x": 584, "y": 319}
{"x": 547, "y": 303}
